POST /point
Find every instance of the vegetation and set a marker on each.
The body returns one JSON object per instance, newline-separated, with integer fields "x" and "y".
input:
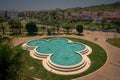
{"x": 34, "y": 67}
{"x": 67, "y": 27}
{"x": 60, "y": 21}
{"x": 1, "y": 25}
{"x": 79, "y": 28}
{"x": 55, "y": 17}
{"x": 16, "y": 63}
{"x": 15, "y": 25}
{"x": 31, "y": 28}
{"x": 49, "y": 31}
{"x": 117, "y": 25}
{"x": 11, "y": 61}
{"x": 114, "y": 41}
{"x": 103, "y": 7}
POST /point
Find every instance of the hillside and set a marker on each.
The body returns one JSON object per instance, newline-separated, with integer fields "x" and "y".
{"x": 102, "y": 7}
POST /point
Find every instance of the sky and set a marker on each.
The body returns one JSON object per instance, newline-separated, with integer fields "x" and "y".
{"x": 22, "y": 5}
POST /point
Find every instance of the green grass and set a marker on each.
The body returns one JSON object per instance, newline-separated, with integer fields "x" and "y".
{"x": 98, "y": 58}
{"x": 114, "y": 41}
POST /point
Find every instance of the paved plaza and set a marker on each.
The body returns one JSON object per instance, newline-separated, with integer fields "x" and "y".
{"x": 110, "y": 70}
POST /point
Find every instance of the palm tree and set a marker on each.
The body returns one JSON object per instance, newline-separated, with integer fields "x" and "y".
{"x": 58, "y": 27}
{"x": 1, "y": 24}
{"x": 103, "y": 22}
{"x": 117, "y": 24}
{"x": 19, "y": 27}
{"x": 43, "y": 27}
{"x": 16, "y": 26}
{"x": 117, "y": 28}
{"x": 11, "y": 62}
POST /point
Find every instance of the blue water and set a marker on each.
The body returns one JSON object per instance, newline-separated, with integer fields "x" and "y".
{"x": 64, "y": 53}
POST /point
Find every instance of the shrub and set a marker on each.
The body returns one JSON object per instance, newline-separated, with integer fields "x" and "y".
{"x": 79, "y": 28}
{"x": 31, "y": 28}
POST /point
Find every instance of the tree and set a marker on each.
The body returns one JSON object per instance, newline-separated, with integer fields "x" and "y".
{"x": 117, "y": 24}
{"x": 15, "y": 25}
{"x": 31, "y": 28}
{"x": 58, "y": 28}
{"x": 1, "y": 24}
{"x": 117, "y": 27}
{"x": 12, "y": 60}
{"x": 67, "y": 26}
{"x": 53, "y": 15}
{"x": 49, "y": 31}
{"x": 5, "y": 53}
{"x": 53, "y": 30}
{"x": 43, "y": 29}
{"x": 79, "y": 28}
{"x": 103, "y": 22}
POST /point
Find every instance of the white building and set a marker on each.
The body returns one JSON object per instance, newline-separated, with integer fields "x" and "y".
{"x": 12, "y": 13}
{"x": 2, "y": 13}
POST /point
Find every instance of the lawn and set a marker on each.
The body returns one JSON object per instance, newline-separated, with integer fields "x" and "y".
{"x": 114, "y": 41}
{"x": 34, "y": 67}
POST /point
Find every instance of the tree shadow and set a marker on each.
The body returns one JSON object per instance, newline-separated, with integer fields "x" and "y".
{"x": 80, "y": 34}
{"x": 35, "y": 34}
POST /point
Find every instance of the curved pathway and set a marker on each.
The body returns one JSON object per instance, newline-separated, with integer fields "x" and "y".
{"x": 110, "y": 70}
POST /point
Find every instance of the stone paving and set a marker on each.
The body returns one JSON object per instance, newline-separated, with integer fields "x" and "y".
{"x": 110, "y": 70}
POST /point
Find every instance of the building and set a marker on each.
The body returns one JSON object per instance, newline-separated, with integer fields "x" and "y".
{"x": 12, "y": 13}
{"x": 2, "y": 13}
{"x": 111, "y": 14}
{"x": 9, "y": 13}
